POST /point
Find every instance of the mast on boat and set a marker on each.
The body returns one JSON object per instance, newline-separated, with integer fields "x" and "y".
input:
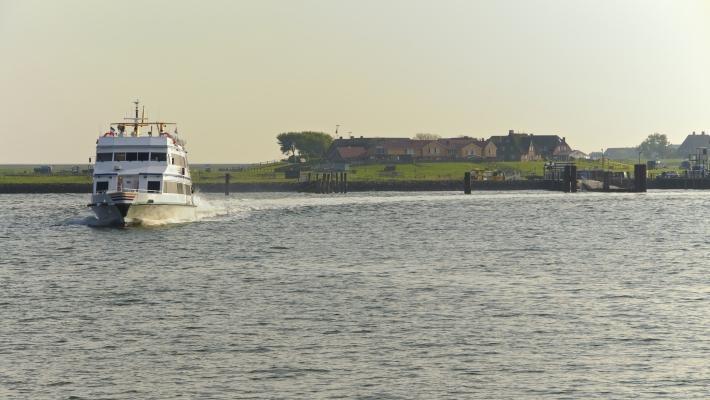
{"x": 138, "y": 121}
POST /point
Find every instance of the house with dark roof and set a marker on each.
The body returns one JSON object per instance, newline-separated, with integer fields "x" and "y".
{"x": 691, "y": 144}
{"x": 400, "y": 149}
{"x": 513, "y": 147}
{"x": 464, "y": 147}
{"x": 530, "y": 147}
{"x": 393, "y": 148}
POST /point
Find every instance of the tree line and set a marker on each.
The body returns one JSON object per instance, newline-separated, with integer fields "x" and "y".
{"x": 309, "y": 145}
{"x": 656, "y": 146}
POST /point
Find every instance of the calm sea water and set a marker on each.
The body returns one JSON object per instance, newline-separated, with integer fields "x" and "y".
{"x": 378, "y": 296}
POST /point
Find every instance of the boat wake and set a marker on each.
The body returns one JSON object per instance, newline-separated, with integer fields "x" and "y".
{"x": 205, "y": 210}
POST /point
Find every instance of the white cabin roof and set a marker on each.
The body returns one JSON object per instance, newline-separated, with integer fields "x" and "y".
{"x": 136, "y": 143}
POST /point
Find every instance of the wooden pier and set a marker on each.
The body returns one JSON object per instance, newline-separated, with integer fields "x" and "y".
{"x": 325, "y": 182}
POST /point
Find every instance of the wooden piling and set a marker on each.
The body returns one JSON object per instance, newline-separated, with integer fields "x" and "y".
{"x": 467, "y": 182}
{"x": 573, "y": 179}
{"x": 226, "y": 184}
{"x": 640, "y": 178}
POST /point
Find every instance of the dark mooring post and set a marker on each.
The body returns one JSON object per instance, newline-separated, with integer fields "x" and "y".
{"x": 345, "y": 182}
{"x": 640, "y": 178}
{"x": 573, "y": 179}
{"x": 226, "y": 184}
{"x": 467, "y": 182}
{"x": 607, "y": 181}
{"x": 566, "y": 177}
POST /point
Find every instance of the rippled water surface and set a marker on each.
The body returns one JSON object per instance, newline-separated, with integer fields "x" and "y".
{"x": 419, "y": 295}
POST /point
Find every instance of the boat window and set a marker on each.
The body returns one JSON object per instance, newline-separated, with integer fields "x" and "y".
{"x": 104, "y": 157}
{"x": 119, "y": 157}
{"x": 154, "y": 186}
{"x": 179, "y": 160}
{"x": 170, "y": 187}
{"x": 175, "y": 187}
{"x": 101, "y": 187}
{"x": 143, "y": 156}
{"x": 131, "y": 156}
{"x": 157, "y": 156}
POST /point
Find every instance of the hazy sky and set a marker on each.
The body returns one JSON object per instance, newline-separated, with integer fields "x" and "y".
{"x": 234, "y": 74}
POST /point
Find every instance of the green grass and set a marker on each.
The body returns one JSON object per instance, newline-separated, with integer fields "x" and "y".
{"x": 431, "y": 171}
{"x": 456, "y": 170}
{"x": 261, "y": 173}
{"x": 43, "y": 179}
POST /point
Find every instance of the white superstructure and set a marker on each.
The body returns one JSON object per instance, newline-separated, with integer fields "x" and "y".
{"x": 141, "y": 176}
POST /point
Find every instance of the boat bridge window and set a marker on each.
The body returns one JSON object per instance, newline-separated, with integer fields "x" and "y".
{"x": 158, "y": 156}
{"x": 154, "y": 186}
{"x": 104, "y": 157}
{"x": 179, "y": 160}
{"x": 176, "y": 187}
{"x": 131, "y": 156}
{"x": 119, "y": 156}
{"x": 143, "y": 156}
{"x": 101, "y": 187}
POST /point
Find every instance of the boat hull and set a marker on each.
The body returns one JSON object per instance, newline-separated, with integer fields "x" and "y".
{"x": 136, "y": 214}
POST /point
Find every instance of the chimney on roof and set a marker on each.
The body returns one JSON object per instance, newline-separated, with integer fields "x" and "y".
{"x": 340, "y": 137}
{"x": 352, "y": 137}
{"x": 703, "y": 132}
{"x": 510, "y": 132}
{"x": 693, "y": 132}
{"x": 362, "y": 137}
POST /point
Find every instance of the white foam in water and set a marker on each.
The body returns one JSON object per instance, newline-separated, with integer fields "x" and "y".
{"x": 205, "y": 210}
{"x": 218, "y": 207}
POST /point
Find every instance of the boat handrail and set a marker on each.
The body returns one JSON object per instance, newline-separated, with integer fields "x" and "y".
{"x": 137, "y": 191}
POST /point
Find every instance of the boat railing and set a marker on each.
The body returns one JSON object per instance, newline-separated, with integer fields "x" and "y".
{"x": 138, "y": 190}
{"x": 120, "y": 190}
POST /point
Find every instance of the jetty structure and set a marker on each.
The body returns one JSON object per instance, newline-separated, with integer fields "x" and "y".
{"x": 565, "y": 177}
{"x": 141, "y": 173}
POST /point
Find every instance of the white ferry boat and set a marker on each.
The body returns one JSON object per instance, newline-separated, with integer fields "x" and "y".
{"x": 141, "y": 174}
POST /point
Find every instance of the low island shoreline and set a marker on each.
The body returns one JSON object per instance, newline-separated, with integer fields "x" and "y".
{"x": 353, "y": 186}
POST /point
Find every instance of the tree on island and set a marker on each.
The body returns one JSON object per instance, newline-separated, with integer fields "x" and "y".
{"x": 310, "y": 145}
{"x": 655, "y": 146}
{"x": 426, "y": 136}
{"x": 287, "y": 143}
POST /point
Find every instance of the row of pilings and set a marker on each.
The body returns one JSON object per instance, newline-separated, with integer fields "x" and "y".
{"x": 325, "y": 182}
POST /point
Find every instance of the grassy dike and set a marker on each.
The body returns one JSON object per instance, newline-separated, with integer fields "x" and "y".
{"x": 409, "y": 176}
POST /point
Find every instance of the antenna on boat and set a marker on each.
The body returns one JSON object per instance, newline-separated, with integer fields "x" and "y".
{"x": 135, "y": 124}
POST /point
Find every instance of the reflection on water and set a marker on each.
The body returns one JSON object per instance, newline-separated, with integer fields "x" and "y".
{"x": 428, "y": 295}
